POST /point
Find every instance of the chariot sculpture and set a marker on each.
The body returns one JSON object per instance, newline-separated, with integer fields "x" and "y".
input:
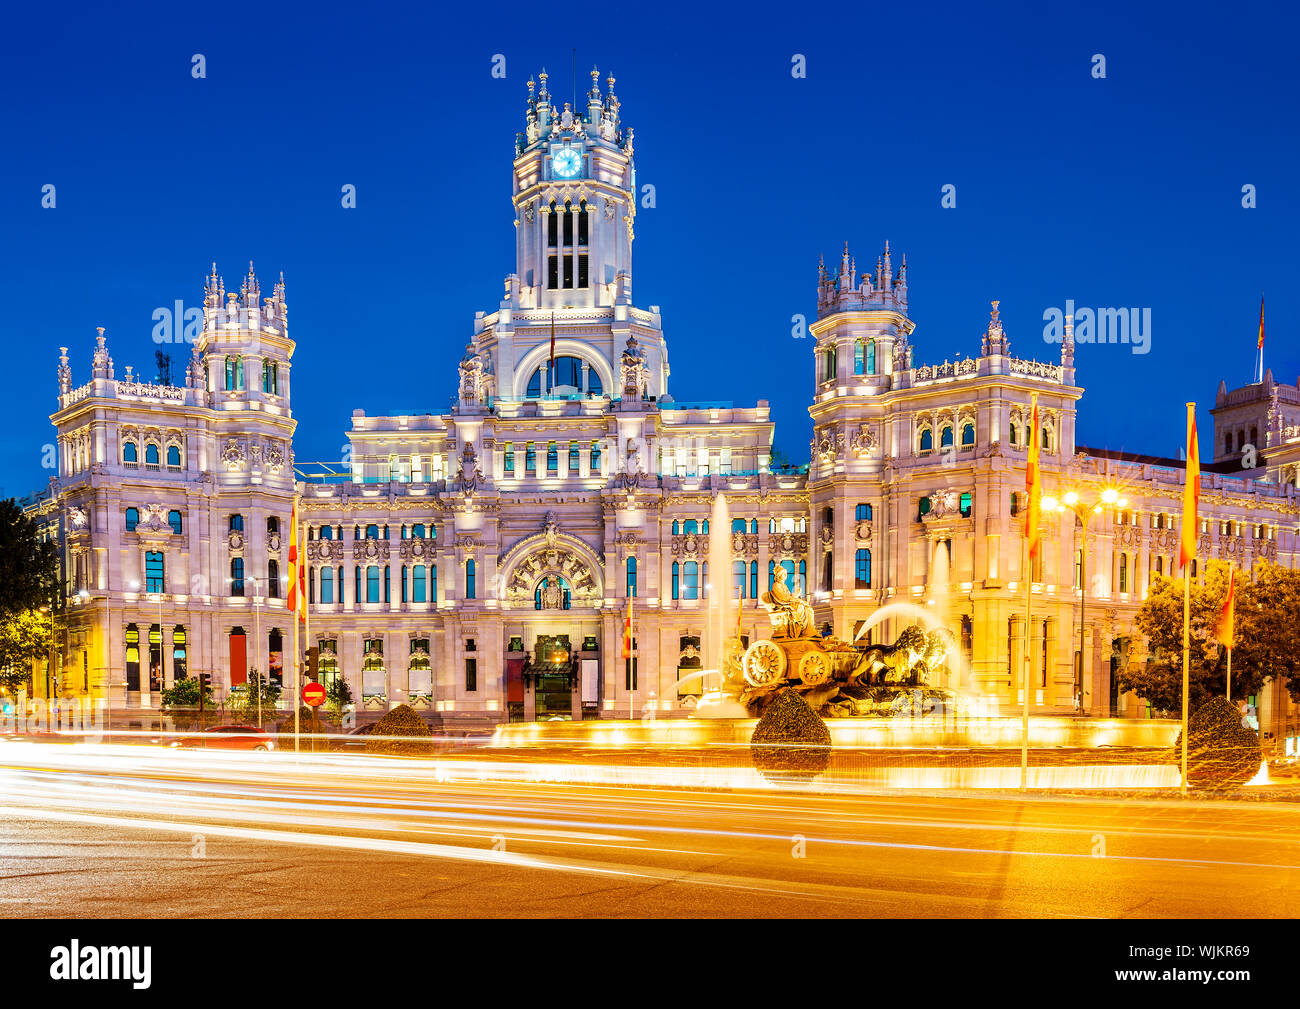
{"x": 835, "y": 677}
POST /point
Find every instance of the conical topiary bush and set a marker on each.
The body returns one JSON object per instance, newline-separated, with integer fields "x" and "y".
{"x": 790, "y": 742}
{"x": 1221, "y": 752}
{"x": 403, "y": 720}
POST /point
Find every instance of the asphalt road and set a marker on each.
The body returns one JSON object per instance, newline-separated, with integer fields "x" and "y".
{"x": 134, "y": 832}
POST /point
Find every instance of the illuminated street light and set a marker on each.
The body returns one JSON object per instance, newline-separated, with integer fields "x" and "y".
{"x": 1071, "y": 501}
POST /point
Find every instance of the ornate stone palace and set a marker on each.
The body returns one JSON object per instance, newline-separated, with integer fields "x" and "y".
{"x": 479, "y": 563}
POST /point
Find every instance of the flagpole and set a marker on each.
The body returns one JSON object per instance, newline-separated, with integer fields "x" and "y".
{"x": 1187, "y": 615}
{"x": 631, "y": 660}
{"x": 306, "y": 628}
{"x": 297, "y": 656}
{"x": 1229, "y": 693}
{"x": 1029, "y": 649}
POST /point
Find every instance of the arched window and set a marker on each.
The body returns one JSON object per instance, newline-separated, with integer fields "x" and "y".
{"x": 1013, "y": 434}
{"x": 174, "y": 520}
{"x": 945, "y": 437}
{"x": 691, "y": 580}
{"x": 1123, "y": 572}
{"x": 1047, "y": 437}
{"x": 236, "y": 523}
{"x": 372, "y": 532}
{"x": 753, "y": 579}
{"x": 173, "y": 457}
{"x": 1160, "y": 565}
{"x": 871, "y": 357}
{"x": 132, "y": 519}
{"x": 803, "y": 577}
{"x": 859, "y": 356}
{"x": 565, "y": 379}
{"x": 862, "y": 569}
{"x": 967, "y": 435}
{"x": 675, "y": 580}
{"x": 964, "y": 504}
{"x": 129, "y": 454}
{"x": 234, "y": 372}
{"x": 418, "y": 531}
{"x": 327, "y": 585}
{"x": 151, "y": 456}
{"x": 237, "y": 576}
{"x": 270, "y": 377}
{"x": 691, "y": 526}
{"x": 631, "y": 577}
{"x": 738, "y": 525}
{"x": 862, "y": 513}
{"x": 273, "y": 579}
{"x": 927, "y": 440}
{"x": 676, "y": 528}
{"x": 470, "y": 587}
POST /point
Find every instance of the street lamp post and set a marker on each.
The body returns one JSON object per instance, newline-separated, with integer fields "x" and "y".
{"x": 257, "y": 646}
{"x": 1083, "y": 511}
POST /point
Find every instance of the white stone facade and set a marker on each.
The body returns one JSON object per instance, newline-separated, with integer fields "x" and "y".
{"x": 448, "y": 547}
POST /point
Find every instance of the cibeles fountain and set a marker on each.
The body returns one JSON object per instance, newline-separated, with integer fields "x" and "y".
{"x": 838, "y": 679}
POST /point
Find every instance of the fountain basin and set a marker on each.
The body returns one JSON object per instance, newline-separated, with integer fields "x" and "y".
{"x": 1045, "y": 731}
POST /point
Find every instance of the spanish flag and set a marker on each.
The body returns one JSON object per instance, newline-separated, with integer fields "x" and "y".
{"x": 1260, "y": 344}
{"x": 1033, "y": 480}
{"x": 297, "y": 596}
{"x": 1191, "y": 491}
{"x": 1223, "y": 629}
{"x": 627, "y": 631}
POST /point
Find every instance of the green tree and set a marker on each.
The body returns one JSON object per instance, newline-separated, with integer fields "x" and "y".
{"x": 24, "y": 639}
{"x": 338, "y": 695}
{"x": 184, "y": 693}
{"x": 1266, "y": 626}
{"x": 244, "y": 699}
{"x": 29, "y": 580}
{"x": 29, "y": 566}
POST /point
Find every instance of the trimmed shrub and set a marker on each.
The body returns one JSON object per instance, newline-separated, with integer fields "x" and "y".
{"x": 401, "y": 721}
{"x": 790, "y": 742}
{"x": 309, "y": 727}
{"x": 1221, "y": 752}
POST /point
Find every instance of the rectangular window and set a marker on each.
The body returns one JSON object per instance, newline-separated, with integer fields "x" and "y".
{"x": 510, "y": 459}
{"x": 552, "y": 228}
{"x": 179, "y": 654}
{"x": 552, "y": 458}
{"x": 372, "y": 583}
{"x": 574, "y": 457}
{"x": 582, "y": 269}
{"x": 530, "y": 458}
{"x": 418, "y": 590}
{"x": 327, "y": 585}
{"x": 471, "y": 674}
{"x": 153, "y": 571}
{"x": 568, "y": 270}
{"x": 595, "y": 457}
{"x": 753, "y": 580}
{"x": 552, "y": 272}
{"x": 132, "y": 657}
{"x": 568, "y": 227}
{"x": 691, "y": 580}
{"x": 582, "y": 227}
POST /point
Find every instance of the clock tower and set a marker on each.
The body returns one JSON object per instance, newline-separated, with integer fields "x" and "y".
{"x": 575, "y": 200}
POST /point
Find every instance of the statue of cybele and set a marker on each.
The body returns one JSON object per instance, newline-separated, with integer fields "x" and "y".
{"x": 791, "y": 615}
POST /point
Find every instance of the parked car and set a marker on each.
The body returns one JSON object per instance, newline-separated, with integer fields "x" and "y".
{"x": 353, "y": 739}
{"x": 229, "y": 737}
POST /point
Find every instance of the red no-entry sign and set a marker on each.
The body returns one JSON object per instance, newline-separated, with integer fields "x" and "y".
{"x": 313, "y": 694}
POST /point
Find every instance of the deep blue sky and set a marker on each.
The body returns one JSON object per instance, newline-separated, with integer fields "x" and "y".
{"x": 1124, "y": 191}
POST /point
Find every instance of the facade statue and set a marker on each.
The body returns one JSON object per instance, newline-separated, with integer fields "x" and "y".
{"x": 632, "y": 370}
{"x": 472, "y": 382}
{"x": 791, "y": 615}
{"x": 552, "y": 594}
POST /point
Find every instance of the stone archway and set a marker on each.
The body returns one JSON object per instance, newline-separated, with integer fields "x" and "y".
{"x": 533, "y": 560}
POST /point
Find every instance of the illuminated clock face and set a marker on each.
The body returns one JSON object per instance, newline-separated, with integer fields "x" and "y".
{"x": 566, "y": 163}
